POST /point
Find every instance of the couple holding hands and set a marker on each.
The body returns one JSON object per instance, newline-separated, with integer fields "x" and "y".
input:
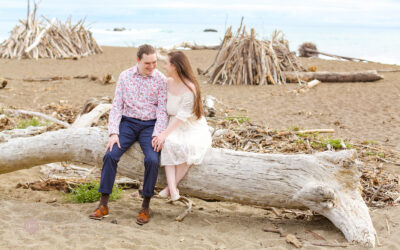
{"x": 165, "y": 115}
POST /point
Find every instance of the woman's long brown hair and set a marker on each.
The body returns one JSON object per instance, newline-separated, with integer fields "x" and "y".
{"x": 185, "y": 73}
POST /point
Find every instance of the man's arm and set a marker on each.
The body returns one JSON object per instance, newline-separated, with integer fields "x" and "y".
{"x": 117, "y": 106}
{"x": 161, "y": 112}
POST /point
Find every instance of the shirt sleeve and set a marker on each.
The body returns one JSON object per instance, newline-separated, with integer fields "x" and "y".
{"x": 161, "y": 111}
{"x": 185, "y": 109}
{"x": 117, "y": 107}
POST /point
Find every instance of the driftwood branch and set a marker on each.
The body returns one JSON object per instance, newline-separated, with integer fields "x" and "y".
{"x": 324, "y": 76}
{"x": 198, "y": 47}
{"x": 336, "y": 56}
{"x": 41, "y": 115}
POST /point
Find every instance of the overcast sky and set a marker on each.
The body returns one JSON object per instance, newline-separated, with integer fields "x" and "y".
{"x": 374, "y": 13}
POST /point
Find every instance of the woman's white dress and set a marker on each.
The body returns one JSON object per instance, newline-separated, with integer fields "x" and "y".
{"x": 190, "y": 142}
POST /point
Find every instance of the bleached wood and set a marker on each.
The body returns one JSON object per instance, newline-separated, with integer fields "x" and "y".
{"x": 325, "y": 76}
{"x": 87, "y": 120}
{"x": 313, "y": 83}
{"x": 41, "y": 115}
{"x": 326, "y": 182}
{"x": 37, "y": 41}
{"x": 6, "y": 135}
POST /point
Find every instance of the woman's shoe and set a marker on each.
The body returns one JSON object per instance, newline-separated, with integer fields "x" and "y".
{"x": 164, "y": 193}
{"x": 175, "y": 197}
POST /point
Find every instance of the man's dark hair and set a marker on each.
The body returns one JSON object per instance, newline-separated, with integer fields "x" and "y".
{"x": 145, "y": 49}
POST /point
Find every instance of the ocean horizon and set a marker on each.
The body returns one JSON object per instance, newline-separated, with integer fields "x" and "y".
{"x": 355, "y": 30}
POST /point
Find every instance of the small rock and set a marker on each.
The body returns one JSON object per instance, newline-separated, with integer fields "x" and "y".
{"x": 52, "y": 201}
{"x": 114, "y": 221}
{"x": 119, "y": 29}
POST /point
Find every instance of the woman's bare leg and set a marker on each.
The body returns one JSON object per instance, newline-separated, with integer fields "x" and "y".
{"x": 180, "y": 172}
{"x": 171, "y": 179}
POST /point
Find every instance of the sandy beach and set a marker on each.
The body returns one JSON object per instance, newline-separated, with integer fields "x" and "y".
{"x": 357, "y": 111}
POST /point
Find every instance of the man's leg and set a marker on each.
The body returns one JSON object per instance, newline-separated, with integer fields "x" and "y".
{"x": 151, "y": 161}
{"x": 127, "y": 137}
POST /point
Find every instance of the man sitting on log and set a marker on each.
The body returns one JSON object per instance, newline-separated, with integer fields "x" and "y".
{"x": 138, "y": 113}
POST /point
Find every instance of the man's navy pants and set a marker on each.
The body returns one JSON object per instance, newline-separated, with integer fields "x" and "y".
{"x": 130, "y": 131}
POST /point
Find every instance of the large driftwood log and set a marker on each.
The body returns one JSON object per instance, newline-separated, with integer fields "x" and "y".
{"x": 325, "y": 76}
{"x": 336, "y": 56}
{"x": 327, "y": 182}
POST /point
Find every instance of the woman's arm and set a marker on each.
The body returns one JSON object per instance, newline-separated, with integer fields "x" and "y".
{"x": 159, "y": 140}
{"x": 185, "y": 111}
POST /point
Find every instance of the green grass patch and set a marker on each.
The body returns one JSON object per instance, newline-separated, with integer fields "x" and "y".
{"x": 294, "y": 128}
{"x": 308, "y": 135}
{"x": 239, "y": 119}
{"x": 24, "y": 123}
{"x": 336, "y": 143}
{"x": 380, "y": 154}
{"x": 88, "y": 192}
{"x": 371, "y": 142}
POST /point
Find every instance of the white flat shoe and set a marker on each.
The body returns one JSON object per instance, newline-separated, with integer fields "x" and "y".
{"x": 175, "y": 197}
{"x": 164, "y": 193}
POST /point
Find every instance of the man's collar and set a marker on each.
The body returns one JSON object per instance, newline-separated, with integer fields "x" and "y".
{"x": 136, "y": 71}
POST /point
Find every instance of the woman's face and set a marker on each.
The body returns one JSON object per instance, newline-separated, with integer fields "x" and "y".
{"x": 169, "y": 68}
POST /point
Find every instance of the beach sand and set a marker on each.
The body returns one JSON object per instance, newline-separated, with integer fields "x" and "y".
{"x": 357, "y": 111}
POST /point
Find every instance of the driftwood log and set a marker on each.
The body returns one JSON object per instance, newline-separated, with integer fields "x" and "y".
{"x": 198, "y": 47}
{"x": 327, "y": 182}
{"x": 314, "y": 51}
{"x": 325, "y": 76}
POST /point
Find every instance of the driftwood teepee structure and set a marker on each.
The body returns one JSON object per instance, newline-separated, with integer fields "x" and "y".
{"x": 242, "y": 59}
{"x": 33, "y": 39}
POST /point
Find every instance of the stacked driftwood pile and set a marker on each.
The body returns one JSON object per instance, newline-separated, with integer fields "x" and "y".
{"x": 243, "y": 59}
{"x": 45, "y": 38}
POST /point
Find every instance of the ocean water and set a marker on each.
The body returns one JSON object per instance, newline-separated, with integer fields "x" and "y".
{"x": 363, "y": 29}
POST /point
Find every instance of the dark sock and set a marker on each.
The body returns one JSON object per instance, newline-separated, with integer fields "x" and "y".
{"x": 104, "y": 199}
{"x": 146, "y": 202}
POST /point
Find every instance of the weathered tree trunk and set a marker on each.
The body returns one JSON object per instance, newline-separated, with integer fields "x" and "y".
{"x": 324, "y": 76}
{"x": 326, "y": 182}
{"x": 336, "y": 56}
{"x": 201, "y": 47}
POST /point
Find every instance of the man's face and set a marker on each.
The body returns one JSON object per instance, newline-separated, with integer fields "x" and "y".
{"x": 147, "y": 64}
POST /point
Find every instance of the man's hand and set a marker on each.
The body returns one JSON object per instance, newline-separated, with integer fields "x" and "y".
{"x": 158, "y": 142}
{"x": 113, "y": 139}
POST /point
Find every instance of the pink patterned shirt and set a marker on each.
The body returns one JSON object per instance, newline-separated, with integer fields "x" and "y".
{"x": 141, "y": 97}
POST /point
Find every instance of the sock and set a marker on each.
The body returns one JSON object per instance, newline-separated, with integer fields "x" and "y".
{"x": 146, "y": 202}
{"x": 104, "y": 199}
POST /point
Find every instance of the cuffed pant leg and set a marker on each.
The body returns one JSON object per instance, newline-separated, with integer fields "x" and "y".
{"x": 109, "y": 170}
{"x": 151, "y": 161}
{"x": 127, "y": 137}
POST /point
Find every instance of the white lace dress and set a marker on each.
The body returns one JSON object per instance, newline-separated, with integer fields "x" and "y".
{"x": 190, "y": 142}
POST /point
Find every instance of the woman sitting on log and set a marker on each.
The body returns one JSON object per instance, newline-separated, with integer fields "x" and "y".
{"x": 187, "y": 137}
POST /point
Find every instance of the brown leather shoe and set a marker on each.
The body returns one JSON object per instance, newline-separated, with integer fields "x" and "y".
{"x": 143, "y": 217}
{"x": 100, "y": 213}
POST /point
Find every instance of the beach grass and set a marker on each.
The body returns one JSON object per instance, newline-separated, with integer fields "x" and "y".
{"x": 88, "y": 192}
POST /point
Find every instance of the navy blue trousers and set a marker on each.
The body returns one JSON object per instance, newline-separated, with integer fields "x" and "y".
{"x": 130, "y": 131}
